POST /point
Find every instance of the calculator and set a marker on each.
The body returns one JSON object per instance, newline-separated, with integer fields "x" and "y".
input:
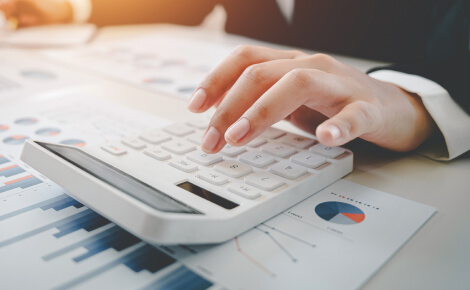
{"x": 163, "y": 188}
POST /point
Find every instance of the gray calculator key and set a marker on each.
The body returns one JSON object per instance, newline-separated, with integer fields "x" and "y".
{"x": 157, "y": 153}
{"x": 256, "y": 158}
{"x": 288, "y": 170}
{"x": 195, "y": 138}
{"x": 232, "y": 151}
{"x": 203, "y": 158}
{"x": 297, "y": 141}
{"x": 244, "y": 190}
{"x": 114, "y": 149}
{"x": 155, "y": 137}
{"x": 200, "y": 123}
{"x": 179, "y": 147}
{"x": 330, "y": 152}
{"x": 273, "y": 133}
{"x": 183, "y": 165}
{"x": 233, "y": 168}
{"x": 308, "y": 159}
{"x": 179, "y": 130}
{"x": 264, "y": 181}
{"x": 134, "y": 143}
{"x": 212, "y": 177}
{"x": 278, "y": 149}
{"x": 258, "y": 141}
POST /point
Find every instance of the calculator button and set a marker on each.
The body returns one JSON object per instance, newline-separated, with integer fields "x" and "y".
{"x": 256, "y": 158}
{"x": 179, "y": 147}
{"x": 195, "y": 138}
{"x": 330, "y": 152}
{"x": 203, "y": 158}
{"x": 264, "y": 181}
{"x": 288, "y": 170}
{"x": 308, "y": 159}
{"x": 273, "y": 133}
{"x": 115, "y": 150}
{"x": 158, "y": 154}
{"x": 201, "y": 123}
{"x": 183, "y": 164}
{"x": 179, "y": 130}
{"x": 212, "y": 177}
{"x": 297, "y": 141}
{"x": 258, "y": 141}
{"x": 134, "y": 143}
{"x": 244, "y": 190}
{"x": 233, "y": 168}
{"x": 278, "y": 149}
{"x": 232, "y": 151}
{"x": 155, "y": 137}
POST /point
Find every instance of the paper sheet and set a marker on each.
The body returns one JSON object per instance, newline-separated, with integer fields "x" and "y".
{"x": 336, "y": 239}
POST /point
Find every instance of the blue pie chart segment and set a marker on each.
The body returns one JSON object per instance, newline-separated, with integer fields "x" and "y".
{"x": 340, "y": 213}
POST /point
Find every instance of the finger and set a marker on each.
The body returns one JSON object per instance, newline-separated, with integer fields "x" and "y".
{"x": 224, "y": 75}
{"x": 26, "y": 20}
{"x": 306, "y": 119}
{"x": 354, "y": 120}
{"x": 255, "y": 81}
{"x": 298, "y": 87}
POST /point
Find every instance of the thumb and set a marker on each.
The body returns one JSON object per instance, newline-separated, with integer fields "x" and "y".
{"x": 354, "y": 120}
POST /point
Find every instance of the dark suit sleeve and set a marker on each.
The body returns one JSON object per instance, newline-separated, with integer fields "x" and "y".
{"x": 117, "y": 12}
{"x": 447, "y": 59}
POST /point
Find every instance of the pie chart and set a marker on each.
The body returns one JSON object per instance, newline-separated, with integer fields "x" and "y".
{"x": 3, "y": 127}
{"x": 340, "y": 213}
{"x": 15, "y": 140}
{"x": 75, "y": 142}
{"x": 48, "y": 132}
{"x": 26, "y": 121}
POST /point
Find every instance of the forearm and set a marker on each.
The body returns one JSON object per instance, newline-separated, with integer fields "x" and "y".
{"x": 184, "y": 12}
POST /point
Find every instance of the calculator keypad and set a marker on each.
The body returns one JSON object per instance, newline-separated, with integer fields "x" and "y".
{"x": 244, "y": 169}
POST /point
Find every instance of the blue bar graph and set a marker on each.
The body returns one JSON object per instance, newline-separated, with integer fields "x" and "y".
{"x": 3, "y": 160}
{"x": 87, "y": 220}
{"x": 11, "y": 170}
{"x": 22, "y": 183}
{"x": 57, "y": 203}
{"x": 153, "y": 260}
{"x": 180, "y": 278}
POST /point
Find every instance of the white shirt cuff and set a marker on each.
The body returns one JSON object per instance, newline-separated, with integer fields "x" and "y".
{"x": 451, "y": 119}
{"x": 81, "y": 10}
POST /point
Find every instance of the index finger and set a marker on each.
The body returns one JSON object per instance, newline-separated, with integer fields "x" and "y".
{"x": 224, "y": 75}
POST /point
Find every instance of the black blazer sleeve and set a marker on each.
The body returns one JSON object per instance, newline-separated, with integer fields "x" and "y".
{"x": 447, "y": 60}
{"x": 118, "y": 12}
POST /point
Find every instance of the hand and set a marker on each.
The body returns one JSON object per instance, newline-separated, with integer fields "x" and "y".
{"x": 37, "y": 12}
{"x": 255, "y": 87}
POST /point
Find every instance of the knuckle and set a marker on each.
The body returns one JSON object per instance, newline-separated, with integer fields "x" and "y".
{"x": 302, "y": 78}
{"x": 323, "y": 60}
{"x": 242, "y": 52}
{"x": 256, "y": 73}
{"x": 260, "y": 110}
{"x": 221, "y": 116}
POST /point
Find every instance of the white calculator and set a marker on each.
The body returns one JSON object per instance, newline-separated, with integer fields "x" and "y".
{"x": 161, "y": 187}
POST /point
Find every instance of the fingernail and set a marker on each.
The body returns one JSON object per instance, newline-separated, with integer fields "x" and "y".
{"x": 197, "y": 100}
{"x": 334, "y": 132}
{"x": 211, "y": 139}
{"x": 238, "y": 130}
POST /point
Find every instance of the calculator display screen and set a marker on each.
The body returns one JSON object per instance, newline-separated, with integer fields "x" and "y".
{"x": 207, "y": 195}
{"x": 119, "y": 179}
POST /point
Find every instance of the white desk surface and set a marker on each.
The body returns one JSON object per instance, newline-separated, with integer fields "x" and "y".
{"x": 438, "y": 256}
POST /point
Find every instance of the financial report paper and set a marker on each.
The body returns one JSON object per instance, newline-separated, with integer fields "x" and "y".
{"x": 50, "y": 241}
